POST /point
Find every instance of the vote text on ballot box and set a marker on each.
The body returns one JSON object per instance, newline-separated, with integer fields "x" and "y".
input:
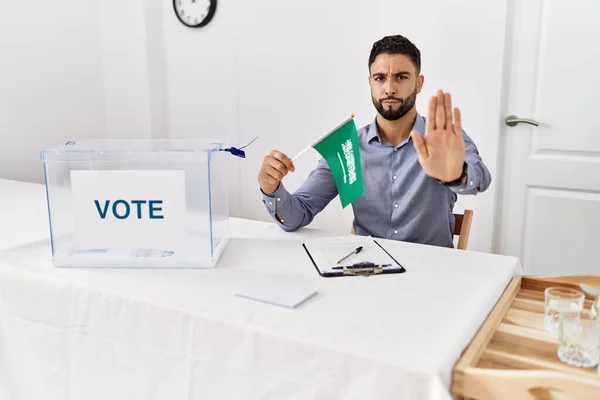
{"x": 137, "y": 203}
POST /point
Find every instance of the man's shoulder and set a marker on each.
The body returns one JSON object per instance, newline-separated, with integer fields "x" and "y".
{"x": 366, "y": 130}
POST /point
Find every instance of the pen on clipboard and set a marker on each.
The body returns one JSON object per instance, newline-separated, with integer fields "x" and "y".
{"x": 355, "y": 251}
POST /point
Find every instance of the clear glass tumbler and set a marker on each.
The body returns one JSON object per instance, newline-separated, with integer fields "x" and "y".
{"x": 596, "y": 307}
{"x": 560, "y": 300}
{"x": 579, "y": 340}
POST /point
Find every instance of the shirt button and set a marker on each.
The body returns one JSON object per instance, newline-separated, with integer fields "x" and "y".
{"x": 471, "y": 183}
{"x": 395, "y": 232}
{"x": 395, "y": 205}
{"x": 271, "y": 203}
{"x": 278, "y": 199}
{"x": 395, "y": 149}
{"x": 394, "y": 177}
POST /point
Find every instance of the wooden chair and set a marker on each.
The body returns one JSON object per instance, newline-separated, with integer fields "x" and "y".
{"x": 462, "y": 228}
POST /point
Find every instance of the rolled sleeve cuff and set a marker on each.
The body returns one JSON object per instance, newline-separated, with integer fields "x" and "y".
{"x": 277, "y": 199}
{"x": 469, "y": 185}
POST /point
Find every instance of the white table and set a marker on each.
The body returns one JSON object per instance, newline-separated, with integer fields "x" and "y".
{"x": 23, "y": 213}
{"x": 182, "y": 334}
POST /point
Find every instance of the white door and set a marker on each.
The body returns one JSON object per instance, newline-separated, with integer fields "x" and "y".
{"x": 548, "y": 210}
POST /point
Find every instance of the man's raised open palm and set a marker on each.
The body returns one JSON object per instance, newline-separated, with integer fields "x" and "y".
{"x": 441, "y": 150}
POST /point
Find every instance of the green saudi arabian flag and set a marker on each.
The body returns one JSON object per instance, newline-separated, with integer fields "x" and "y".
{"x": 340, "y": 150}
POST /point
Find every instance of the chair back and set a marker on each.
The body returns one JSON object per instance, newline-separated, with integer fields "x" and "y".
{"x": 462, "y": 228}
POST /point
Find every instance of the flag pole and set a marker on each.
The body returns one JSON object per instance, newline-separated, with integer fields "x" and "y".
{"x": 320, "y": 138}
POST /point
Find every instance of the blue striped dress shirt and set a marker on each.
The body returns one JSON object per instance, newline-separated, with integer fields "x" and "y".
{"x": 399, "y": 201}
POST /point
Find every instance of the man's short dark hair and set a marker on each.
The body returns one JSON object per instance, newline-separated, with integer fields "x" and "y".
{"x": 396, "y": 44}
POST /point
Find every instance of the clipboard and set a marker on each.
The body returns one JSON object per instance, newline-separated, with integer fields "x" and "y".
{"x": 373, "y": 260}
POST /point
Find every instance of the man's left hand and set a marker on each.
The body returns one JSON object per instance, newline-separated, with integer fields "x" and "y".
{"x": 441, "y": 150}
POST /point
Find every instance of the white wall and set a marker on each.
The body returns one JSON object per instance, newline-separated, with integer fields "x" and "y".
{"x": 51, "y": 87}
{"x": 70, "y": 70}
{"x": 131, "y": 69}
{"x": 122, "y": 37}
{"x": 258, "y": 69}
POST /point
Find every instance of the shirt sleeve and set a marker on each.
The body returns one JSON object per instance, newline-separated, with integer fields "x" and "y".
{"x": 479, "y": 178}
{"x": 294, "y": 211}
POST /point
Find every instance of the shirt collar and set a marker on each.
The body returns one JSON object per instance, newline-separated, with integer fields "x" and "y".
{"x": 418, "y": 126}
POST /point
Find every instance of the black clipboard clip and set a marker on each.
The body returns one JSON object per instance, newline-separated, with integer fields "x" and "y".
{"x": 363, "y": 269}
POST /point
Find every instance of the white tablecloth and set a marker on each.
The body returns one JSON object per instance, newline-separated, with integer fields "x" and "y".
{"x": 183, "y": 334}
{"x": 23, "y": 213}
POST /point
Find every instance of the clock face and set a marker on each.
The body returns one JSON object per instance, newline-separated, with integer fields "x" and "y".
{"x": 195, "y": 13}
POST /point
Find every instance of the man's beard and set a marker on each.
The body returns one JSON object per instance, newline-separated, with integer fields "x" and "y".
{"x": 392, "y": 115}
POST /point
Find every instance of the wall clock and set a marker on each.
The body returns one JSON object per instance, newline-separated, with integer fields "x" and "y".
{"x": 195, "y": 13}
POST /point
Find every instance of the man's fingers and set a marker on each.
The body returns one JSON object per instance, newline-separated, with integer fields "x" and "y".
{"x": 440, "y": 112}
{"x": 419, "y": 144}
{"x": 265, "y": 175}
{"x": 278, "y": 165}
{"x": 274, "y": 167}
{"x": 430, "y": 121}
{"x": 457, "y": 122}
{"x": 274, "y": 173}
{"x": 448, "y": 110}
{"x": 284, "y": 159}
{"x": 267, "y": 179}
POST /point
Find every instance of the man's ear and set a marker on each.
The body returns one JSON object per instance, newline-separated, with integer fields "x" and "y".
{"x": 420, "y": 80}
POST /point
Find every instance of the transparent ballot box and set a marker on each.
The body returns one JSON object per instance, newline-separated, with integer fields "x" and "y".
{"x": 137, "y": 203}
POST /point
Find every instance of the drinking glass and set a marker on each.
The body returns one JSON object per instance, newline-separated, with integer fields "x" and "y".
{"x": 561, "y": 300}
{"x": 579, "y": 340}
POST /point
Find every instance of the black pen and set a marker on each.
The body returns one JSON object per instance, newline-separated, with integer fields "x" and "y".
{"x": 355, "y": 251}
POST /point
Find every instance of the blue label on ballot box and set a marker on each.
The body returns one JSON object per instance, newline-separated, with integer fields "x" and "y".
{"x": 129, "y": 209}
{"x": 121, "y": 209}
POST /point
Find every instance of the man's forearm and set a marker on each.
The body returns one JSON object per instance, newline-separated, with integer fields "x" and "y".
{"x": 478, "y": 175}
{"x": 286, "y": 210}
{"x": 294, "y": 211}
{"x": 478, "y": 178}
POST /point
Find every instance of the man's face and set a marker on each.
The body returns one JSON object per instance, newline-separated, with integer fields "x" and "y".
{"x": 394, "y": 85}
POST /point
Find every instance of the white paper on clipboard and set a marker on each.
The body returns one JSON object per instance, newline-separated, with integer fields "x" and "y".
{"x": 326, "y": 252}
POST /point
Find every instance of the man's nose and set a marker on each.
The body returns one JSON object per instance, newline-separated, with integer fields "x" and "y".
{"x": 390, "y": 90}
